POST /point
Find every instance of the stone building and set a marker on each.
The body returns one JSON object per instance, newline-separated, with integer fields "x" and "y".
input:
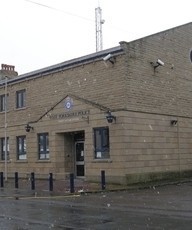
{"x": 126, "y": 110}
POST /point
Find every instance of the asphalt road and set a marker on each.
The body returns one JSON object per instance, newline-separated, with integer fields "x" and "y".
{"x": 167, "y": 207}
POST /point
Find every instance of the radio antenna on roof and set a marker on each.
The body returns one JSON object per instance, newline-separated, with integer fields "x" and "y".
{"x": 98, "y": 24}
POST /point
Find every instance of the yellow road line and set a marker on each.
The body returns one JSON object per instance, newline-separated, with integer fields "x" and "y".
{"x": 41, "y": 197}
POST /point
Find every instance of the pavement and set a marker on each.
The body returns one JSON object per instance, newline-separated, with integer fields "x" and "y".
{"x": 63, "y": 188}
{"x": 43, "y": 188}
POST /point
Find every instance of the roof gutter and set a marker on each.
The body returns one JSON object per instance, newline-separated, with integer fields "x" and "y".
{"x": 66, "y": 65}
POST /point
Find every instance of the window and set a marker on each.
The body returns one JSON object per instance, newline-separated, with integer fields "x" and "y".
{"x": 3, "y": 105}
{"x": 43, "y": 146}
{"x": 21, "y": 148}
{"x": 101, "y": 142}
{"x": 3, "y": 149}
{"x": 20, "y": 100}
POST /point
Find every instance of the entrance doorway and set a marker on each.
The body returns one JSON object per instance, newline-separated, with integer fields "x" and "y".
{"x": 79, "y": 159}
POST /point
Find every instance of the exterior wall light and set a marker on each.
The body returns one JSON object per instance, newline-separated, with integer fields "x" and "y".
{"x": 174, "y": 122}
{"x": 110, "y": 118}
{"x": 28, "y": 128}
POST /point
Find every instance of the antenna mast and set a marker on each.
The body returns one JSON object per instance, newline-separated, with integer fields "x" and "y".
{"x": 98, "y": 23}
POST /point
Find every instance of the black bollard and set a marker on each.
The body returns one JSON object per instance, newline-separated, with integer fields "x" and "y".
{"x": 72, "y": 190}
{"x": 16, "y": 180}
{"x": 1, "y": 180}
{"x": 103, "y": 185}
{"x": 32, "y": 181}
{"x": 51, "y": 182}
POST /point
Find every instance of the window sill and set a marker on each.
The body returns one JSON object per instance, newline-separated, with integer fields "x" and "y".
{"x": 2, "y": 112}
{"x": 102, "y": 161}
{"x": 21, "y": 108}
{"x": 21, "y": 161}
{"x": 2, "y": 161}
{"x": 43, "y": 161}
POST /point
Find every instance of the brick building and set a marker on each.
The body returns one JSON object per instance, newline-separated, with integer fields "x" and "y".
{"x": 126, "y": 110}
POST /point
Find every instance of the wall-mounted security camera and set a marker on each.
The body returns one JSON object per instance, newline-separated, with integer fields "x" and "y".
{"x": 157, "y": 63}
{"x": 106, "y": 58}
{"x": 160, "y": 62}
{"x": 174, "y": 122}
{"x": 109, "y": 58}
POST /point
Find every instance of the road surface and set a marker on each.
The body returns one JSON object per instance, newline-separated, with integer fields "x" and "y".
{"x": 167, "y": 207}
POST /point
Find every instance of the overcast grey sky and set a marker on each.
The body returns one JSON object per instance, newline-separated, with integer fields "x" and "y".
{"x": 40, "y": 33}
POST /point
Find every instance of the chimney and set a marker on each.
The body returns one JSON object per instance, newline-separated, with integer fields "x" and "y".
{"x": 8, "y": 71}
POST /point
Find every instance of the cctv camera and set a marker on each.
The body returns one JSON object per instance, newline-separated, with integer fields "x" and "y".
{"x": 159, "y": 62}
{"x": 106, "y": 58}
